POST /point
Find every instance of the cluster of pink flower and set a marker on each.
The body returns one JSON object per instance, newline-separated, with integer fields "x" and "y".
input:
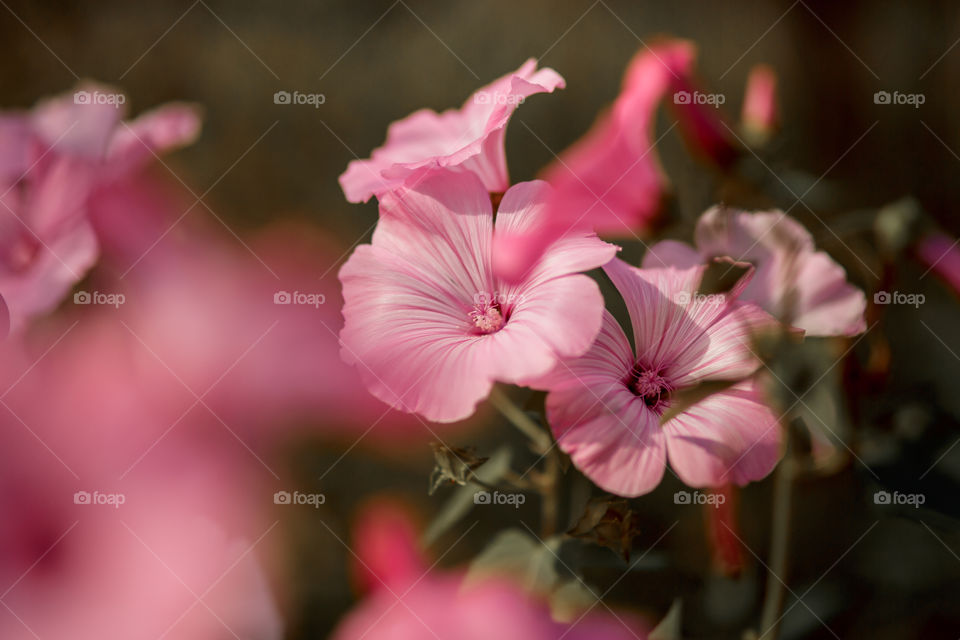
{"x": 470, "y": 281}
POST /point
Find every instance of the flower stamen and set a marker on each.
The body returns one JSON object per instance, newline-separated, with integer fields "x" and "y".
{"x": 486, "y": 317}
{"x": 652, "y": 386}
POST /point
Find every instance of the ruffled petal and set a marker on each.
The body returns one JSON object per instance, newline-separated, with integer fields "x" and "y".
{"x": 730, "y": 436}
{"x": 468, "y": 139}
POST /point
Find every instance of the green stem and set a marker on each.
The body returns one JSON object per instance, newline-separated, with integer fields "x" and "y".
{"x": 546, "y": 483}
{"x": 518, "y": 418}
{"x": 779, "y": 547}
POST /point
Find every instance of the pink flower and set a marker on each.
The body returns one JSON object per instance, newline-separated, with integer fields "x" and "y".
{"x": 430, "y": 327}
{"x": 431, "y": 604}
{"x": 53, "y": 160}
{"x": 178, "y": 525}
{"x": 760, "y": 111}
{"x": 605, "y": 408}
{"x": 794, "y": 282}
{"x": 468, "y": 139}
{"x": 249, "y": 326}
{"x": 610, "y": 181}
{"x": 941, "y": 255}
{"x": 700, "y": 120}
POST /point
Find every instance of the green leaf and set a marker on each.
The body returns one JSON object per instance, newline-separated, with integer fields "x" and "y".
{"x": 669, "y": 627}
{"x": 516, "y": 554}
{"x": 461, "y": 502}
{"x": 571, "y": 600}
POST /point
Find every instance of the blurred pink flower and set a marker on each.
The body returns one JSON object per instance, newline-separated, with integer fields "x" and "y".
{"x": 116, "y": 518}
{"x": 605, "y": 408}
{"x": 468, "y": 139}
{"x": 385, "y": 539}
{"x": 53, "y": 159}
{"x": 803, "y": 287}
{"x": 941, "y": 255}
{"x": 253, "y": 329}
{"x": 723, "y": 530}
{"x": 429, "y": 326}
{"x": 610, "y": 181}
{"x": 700, "y": 119}
{"x": 434, "y": 604}
{"x": 760, "y": 112}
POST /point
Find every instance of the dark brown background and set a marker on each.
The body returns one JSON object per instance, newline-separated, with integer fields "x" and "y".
{"x": 830, "y": 57}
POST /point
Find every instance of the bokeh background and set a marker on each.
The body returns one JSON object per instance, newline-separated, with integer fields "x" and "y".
{"x": 375, "y": 61}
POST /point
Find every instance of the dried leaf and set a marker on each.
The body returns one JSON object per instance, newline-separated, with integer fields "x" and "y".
{"x": 608, "y": 522}
{"x": 453, "y": 465}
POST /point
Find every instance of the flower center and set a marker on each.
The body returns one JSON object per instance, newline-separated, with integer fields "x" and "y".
{"x": 20, "y": 254}
{"x": 652, "y": 386}
{"x": 486, "y": 317}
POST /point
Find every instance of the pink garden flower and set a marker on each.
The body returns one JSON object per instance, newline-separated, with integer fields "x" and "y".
{"x": 605, "y": 408}
{"x": 183, "y": 529}
{"x": 760, "y": 111}
{"x": 610, "y": 181}
{"x": 411, "y": 601}
{"x": 430, "y": 327}
{"x": 53, "y": 160}
{"x": 796, "y": 283}
{"x": 469, "y": 139}
{"x": 939, "y": 253}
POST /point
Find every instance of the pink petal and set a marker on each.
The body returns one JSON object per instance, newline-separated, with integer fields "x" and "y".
{"x": 522, "y": 211}
{"x": 385, "y": 541}
{"x": 657, "y": 301}
{"x": 728, "y": 353}
{"x": 940, "y": 253}
{"x": 407, "y": 335}
{"x": 50, "y": 274}
{"x": 760, "y": 112}
{"x": 15, "y": 137}
{"x": 444, "y": 223}
{"x": 692, "y": 336}
{"x": 670, "y": 253}
{"x": 794, "y": 282}
{"x": 610, "y": 180}
{"x": 730, "y": 436}
{"x": 610, "y": 434}
{"x": 469, "y": 139}
{"x": 162, "y": 129}
{"x": 827, "y": 305}
{"x": 72, "y": 127}
{"x": 556, "y": 318}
